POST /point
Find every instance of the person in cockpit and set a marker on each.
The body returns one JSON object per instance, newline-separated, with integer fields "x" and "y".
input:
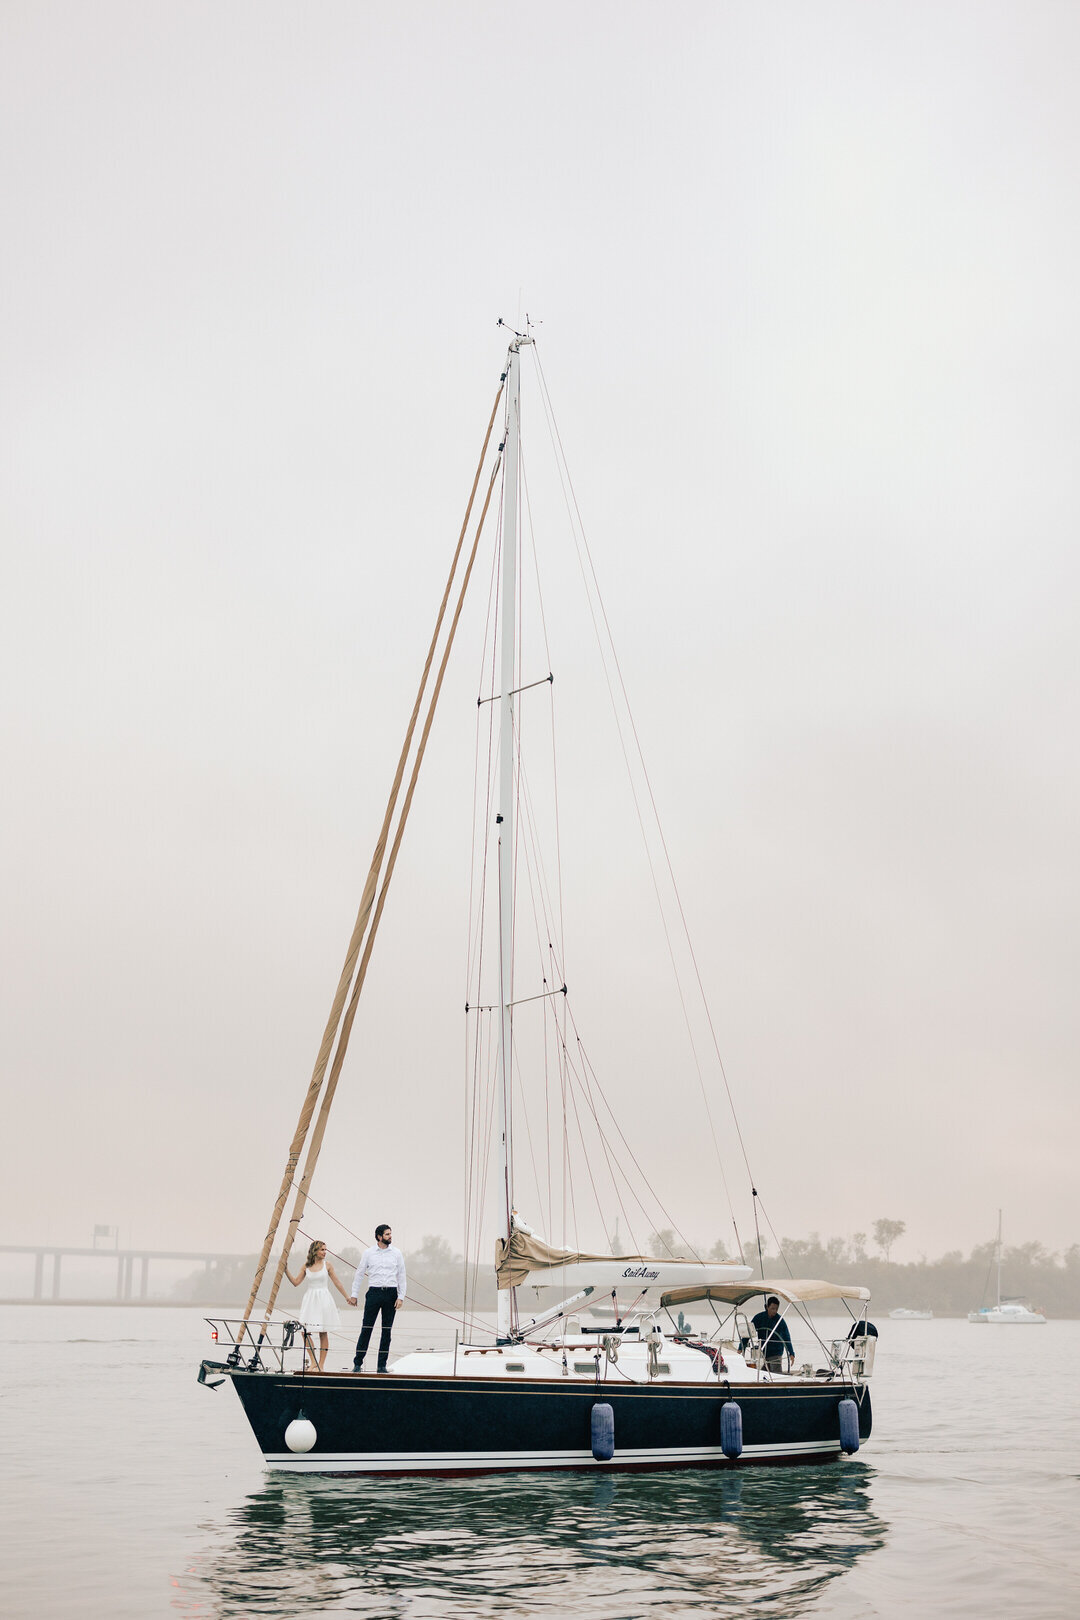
{"x": 773, "y": 1336}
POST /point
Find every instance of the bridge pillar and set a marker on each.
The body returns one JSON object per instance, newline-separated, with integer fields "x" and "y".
{"x": 120, "y": 1276}
{"x": 57, "y": 1257}
{"x": 39, "y": 1271}
{"x": 145, "y": 1276}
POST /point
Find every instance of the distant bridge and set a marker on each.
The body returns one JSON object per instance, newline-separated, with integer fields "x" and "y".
{"x": 125, "y": 1271}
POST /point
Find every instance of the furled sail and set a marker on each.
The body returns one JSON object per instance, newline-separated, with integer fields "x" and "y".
{"x": 526, "y": 1254}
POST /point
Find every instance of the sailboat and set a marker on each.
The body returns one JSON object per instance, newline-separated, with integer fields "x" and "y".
{"x": 639, "y": 1390}
{"x": 1006, "y": 1312}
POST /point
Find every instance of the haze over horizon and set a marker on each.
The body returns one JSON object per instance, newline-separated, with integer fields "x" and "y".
{"x": 806, "y": 280}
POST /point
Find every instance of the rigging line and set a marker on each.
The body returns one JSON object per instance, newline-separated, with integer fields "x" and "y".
{"x": 772, "y": 1229}
{"x": 648, "y": 783}
{"x": 719, "y": 1159}
{"x": 473, "y": 840}
{"x": 474, "y": 1164}
{"x": 363, "y": 915}
{"x": 467, "y": 1193}
{"x": 475, "y": 920}
{"x": 472, "y": 1135}
{"x": 533, "y": 866}
{"x": 547, "y": 650}
{"x": 536, "y": 565}
{"x": 532, "y": 855}
{"x": 568, "y": 1180}
{"x": 610, "y": 1165}
{"x": 529, "y": 528}
{"x": 591, "y": 1070}
{"x": 516, "y": 1071}
{"x": 472, "y": 1146}
{"x": 649, "y": 1218}
{"x": 531, "y": 846}
{"x": 473, "y": 1140}
{"x": 757, "y": 1233}
{"x": 606, "y": 1147}
{"x": 588, "y": 1164}
{"x": 622, "y": 1135}
{"x": 486, "y": 1102}
{"x": 633, "y": 787}
{"x": 520, "y": 1002}
{"x": 535, "y": 843}
{"x": 492, "y": 1084}
{"x": 547, "y": 1120}
{"x": 563, "y": 1136}
{"x": 611, "y": 1160}
{"x": 319, "y": 1131}
{"x": 470, "y": 1098}
{"x": 574, "y": 1077}
{"x": 483, "y": 1105}
{"x": 580, "y": 527}
{"x": 667, "y": 937}
{"x": 473, "y": 1120}
{"x": 545, "y": 680}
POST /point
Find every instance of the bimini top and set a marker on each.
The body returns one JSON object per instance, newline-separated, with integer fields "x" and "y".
{"x": 792, "y": 1291}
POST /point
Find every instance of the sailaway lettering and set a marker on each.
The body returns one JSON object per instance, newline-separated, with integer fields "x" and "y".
{"x": 641, "y": 1271}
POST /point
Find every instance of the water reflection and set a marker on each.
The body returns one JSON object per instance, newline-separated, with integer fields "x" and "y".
{"x": 696, "y": 1542}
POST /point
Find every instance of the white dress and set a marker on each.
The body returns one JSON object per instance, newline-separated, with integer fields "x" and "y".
{"x": 318, "y": 1313}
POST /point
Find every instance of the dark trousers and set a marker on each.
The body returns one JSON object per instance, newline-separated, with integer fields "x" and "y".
{"x": 378, "y": 1299}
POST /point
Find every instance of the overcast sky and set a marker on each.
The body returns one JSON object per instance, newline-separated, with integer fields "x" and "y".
{"x": 807, "y": 276}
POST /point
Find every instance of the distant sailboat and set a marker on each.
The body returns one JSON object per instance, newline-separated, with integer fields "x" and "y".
{"x": 1008, "y": 1312}
{"x": 901, "y": 1314}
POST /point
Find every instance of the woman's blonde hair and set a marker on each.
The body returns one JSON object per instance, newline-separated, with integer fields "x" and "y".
{"x": 316, "y": 1244}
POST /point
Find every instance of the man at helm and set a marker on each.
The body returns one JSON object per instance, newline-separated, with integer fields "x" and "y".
{"x": 773, "y": 1336}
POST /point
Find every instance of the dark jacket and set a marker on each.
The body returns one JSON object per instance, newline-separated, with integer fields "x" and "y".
{"x": 774, "y": 1335}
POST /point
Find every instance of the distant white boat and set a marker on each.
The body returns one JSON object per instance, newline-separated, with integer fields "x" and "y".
{"x": 901, "y": 1314}
{"x": 1010, "y": 1312}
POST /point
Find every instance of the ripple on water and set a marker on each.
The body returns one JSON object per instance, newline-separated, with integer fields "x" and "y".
{"x": 702, "y": 1543}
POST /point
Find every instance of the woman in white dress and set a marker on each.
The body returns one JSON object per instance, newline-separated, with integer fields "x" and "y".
{"x": 318, "y": 1313}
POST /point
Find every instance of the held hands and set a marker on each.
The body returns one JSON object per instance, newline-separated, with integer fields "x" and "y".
{"x": 352, "y": 1299}
{"x": 398, "y": 1303}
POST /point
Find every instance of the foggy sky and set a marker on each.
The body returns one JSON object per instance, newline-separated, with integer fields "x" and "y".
{"x": 807, "y": 277}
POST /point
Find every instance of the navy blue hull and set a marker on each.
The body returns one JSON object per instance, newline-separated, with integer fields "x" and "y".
{"x": 400, "y": 1425}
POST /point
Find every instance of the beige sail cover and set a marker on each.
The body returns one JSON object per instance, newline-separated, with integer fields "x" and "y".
{"x": 793, "y": 1290}
{"x": 527, "y": 1253}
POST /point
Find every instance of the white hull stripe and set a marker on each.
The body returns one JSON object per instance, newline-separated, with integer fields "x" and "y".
{"x": 384, "y": 1462}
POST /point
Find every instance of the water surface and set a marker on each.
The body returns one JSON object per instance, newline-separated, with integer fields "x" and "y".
{"x": 132, "y": 1492}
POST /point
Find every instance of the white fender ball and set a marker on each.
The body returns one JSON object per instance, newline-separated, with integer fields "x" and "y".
{"x": 300, "y": 1435}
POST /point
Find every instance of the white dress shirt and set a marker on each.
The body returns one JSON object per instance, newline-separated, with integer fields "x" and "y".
{"x": 385, "y": 1269}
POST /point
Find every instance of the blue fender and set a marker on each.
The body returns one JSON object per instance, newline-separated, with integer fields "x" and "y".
{"x": 848, "y": 1414}
{"x": 603, "y": 1432}
{"x": 731, "y": 1429}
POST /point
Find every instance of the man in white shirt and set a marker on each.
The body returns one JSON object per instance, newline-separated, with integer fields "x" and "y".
{"x": 385, "y": 1269}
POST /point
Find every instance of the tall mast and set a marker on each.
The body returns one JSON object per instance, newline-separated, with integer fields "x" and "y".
{"x": 999, "y": 1261}
{"x": 505, "y": 817}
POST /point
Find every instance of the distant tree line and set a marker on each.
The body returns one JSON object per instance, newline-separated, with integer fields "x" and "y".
{"x": 949, "y": 1286}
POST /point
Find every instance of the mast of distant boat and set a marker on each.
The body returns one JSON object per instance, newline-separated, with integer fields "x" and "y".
{"x": 998, "y": 1307}
{"x": 505, "y": 816}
